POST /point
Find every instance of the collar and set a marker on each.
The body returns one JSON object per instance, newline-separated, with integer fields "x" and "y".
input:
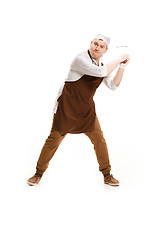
{"x": 94, "y": 61}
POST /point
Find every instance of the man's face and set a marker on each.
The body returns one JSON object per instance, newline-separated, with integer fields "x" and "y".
{"x": 98, "y": 48}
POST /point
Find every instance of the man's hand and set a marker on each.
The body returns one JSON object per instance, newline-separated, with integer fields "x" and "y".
{"x": 123, "y": 57}
{"x": 124, "y": 64}
{"x": 112, "y": 65}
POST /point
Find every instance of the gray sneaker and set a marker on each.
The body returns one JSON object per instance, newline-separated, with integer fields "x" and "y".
{"x": 110, "y": 180}
{"x": 34, "y": 180}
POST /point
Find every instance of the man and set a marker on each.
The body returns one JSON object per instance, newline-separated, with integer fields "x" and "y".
{"x": 74, "y": 110}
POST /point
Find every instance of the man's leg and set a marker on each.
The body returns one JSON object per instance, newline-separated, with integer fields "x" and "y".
{"x": 101, "y": 150}
{"x": 47, "y": 152}
{"x": 100, "y": 147}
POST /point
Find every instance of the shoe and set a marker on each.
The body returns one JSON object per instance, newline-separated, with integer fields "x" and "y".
{"x": 110, "y": 180}
{"x": 34, "y": 180}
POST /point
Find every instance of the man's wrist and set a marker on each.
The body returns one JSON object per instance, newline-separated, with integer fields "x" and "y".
{"x": 121, "y": 67}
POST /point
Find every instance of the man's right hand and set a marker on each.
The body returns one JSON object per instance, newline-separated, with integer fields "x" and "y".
{"x": 123, "y": 57}
{"x": 124, "y": 64}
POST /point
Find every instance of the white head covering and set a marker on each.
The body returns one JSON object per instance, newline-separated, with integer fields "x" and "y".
{"x": 104, "y": 38}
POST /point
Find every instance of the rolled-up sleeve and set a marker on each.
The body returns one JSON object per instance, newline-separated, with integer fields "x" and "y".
{"x": 84, "y": 66}
{"x": 108, "y": 81}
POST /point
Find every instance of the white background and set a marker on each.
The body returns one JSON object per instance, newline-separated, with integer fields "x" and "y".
{"x": 38, "y": 40}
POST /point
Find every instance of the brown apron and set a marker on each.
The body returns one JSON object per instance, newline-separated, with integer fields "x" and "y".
{"x": 76, "y": 108}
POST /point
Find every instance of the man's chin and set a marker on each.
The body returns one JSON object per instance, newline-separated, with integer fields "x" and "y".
{"x": 95, "y": 55}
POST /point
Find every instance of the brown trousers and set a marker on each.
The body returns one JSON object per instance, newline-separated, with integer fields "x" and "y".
{"x": 56, "y": 137}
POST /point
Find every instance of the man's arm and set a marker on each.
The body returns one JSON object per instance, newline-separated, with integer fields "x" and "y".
{"x": 112, "y": 65}
{"x": 118, "y": 77}
{"x": 113, "y": 82}
{"x": 83, "y": 65}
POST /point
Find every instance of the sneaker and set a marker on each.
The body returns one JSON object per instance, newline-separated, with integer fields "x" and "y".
{"x": 110, "y": 180}
{"x": 34, "y": 180}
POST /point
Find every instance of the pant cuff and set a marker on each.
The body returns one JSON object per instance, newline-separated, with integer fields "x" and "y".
{"x": 105, "y": 171}
{"x": 39, "y": 172}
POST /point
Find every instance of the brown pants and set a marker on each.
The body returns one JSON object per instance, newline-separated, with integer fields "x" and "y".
{"x": 56, "y": 137}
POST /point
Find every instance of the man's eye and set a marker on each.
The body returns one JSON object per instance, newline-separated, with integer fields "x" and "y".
{"x": 102, "y": 46}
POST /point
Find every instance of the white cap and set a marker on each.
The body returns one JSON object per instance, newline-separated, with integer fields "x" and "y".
{"x": 104, "y": 38}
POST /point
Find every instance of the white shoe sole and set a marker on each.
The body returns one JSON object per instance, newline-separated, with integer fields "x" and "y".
{"x": 31, "y": 184}
{"x": 113, "y": 185}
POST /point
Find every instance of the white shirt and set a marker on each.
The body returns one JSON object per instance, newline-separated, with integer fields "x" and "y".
{"x": 83, "y": 65}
